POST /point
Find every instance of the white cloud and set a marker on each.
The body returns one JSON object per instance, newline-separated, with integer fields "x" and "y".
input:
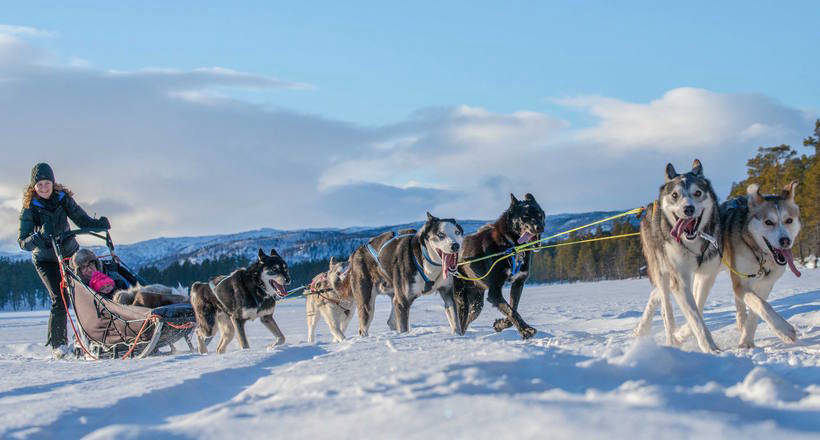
{"x": 24, "y": 31}
{"x": 686, "y": 118}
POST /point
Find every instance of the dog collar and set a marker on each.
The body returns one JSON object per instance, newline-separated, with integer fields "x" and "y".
{"x": 426, "y": 255}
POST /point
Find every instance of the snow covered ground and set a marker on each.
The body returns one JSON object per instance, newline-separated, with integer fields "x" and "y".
{"x": 582, "y": 376}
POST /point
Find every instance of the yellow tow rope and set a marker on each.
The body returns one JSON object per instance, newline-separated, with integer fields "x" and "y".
{"x": 529, "y": 246}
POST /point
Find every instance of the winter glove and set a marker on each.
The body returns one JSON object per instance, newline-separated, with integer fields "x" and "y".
{"x": 103, "y": 222}
{"x": 38, "y": 240}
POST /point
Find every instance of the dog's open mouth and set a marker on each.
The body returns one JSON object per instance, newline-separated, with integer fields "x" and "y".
{"x": 449, "y": 263}
{"x": 686, "y": 228}
{"x": 280, "y": 289}
{"x": 528, "y": 237}
{"x": 783, "y": 257}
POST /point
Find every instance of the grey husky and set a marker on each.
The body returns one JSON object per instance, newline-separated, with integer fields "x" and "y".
{"x": 758, "y": 234}
{"x": 680, "y": 238}
{"x": 329, "y": 295}
{"x": 244, "y": 295}
{"x": 406, "y": 266}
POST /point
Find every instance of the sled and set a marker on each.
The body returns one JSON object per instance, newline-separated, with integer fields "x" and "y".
{"x": 107, "y": 329}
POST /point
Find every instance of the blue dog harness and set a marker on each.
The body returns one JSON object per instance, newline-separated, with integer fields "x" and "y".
{"x": 420, "y": 270}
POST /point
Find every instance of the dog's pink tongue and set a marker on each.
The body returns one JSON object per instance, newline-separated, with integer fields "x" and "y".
{"x": 676, "y": 230}
{"x": 787, "y": 254}
{"x": 525, "y": 238}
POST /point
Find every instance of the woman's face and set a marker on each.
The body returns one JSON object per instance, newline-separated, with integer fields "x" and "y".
{"x": 44, "y": 188}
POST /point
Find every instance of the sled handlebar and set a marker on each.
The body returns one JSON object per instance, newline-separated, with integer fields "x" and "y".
{"x": 82, "y": 231}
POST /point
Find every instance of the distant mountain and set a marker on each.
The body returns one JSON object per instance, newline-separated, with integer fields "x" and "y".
{"x": 295, "y": 246}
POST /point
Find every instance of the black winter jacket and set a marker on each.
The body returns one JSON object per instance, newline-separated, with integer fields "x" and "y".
{"x": 49, "y": 218}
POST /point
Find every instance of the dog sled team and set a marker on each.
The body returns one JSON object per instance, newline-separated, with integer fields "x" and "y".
{"x": 687, "y": 238}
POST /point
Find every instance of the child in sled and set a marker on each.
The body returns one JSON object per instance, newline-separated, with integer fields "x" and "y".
{"x": 89, "y": 268}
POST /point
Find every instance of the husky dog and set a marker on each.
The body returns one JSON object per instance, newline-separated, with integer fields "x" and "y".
{"x": 758, "y": 234}
{"x": 244, "y": 295}
{"x": 329, "y": 296}
{"x": 521, "y": 223}
{"x": 680, "y": 237}
{"x": 405, "y": 267}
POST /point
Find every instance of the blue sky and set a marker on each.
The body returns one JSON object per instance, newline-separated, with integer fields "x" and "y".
{"x": 319, "y": 114}
{"x": 377, "y": 62}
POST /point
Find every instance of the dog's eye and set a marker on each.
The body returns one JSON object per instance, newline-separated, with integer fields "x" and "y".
{"x": 675, "y": 196}
{"x": 769, "y": 223}
{"x": 789, "y": 221}
{"x": 698, "y": 193}
{"x": 458, "y": 232}
{"x": 440, "y": 235}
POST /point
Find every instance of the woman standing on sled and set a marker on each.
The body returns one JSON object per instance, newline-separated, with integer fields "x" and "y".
{"x": 47, "y": 206}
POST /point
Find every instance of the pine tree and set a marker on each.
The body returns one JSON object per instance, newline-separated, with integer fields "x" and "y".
{"x": 811, "y": 211}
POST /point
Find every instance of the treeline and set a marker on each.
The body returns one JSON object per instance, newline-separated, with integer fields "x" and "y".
{"x": 186, "y": 273}
{"x": 20, "y": 287}
{"x": 611, "y": 259}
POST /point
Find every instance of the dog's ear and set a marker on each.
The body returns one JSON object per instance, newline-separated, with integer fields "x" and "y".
{"x": 670, "y": 172}
{"x": 697, "y": 168}
{"x": 753, "y": 195}
{"x": 273, "y": 253}
{"x": 332, "y": 261}
{"x": 789, "y": 191}
{"x": 431, "y": 218}
{"x": 513, "y": 200}
{"x": 529, "y": 197}
{"x": 261, "y": 255}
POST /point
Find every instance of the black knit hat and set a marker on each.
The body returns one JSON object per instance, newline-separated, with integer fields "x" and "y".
{"x": 41, "y": 171}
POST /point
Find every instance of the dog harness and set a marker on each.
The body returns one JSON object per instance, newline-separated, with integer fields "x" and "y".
{"x": 375, "y": 254}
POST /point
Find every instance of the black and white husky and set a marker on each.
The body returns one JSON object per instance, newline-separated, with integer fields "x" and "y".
{"x": 680, "y": 237}
{"x": 406, "y": 266}
{"x": 246, "y": 294}
{"x": 521, "y": 223}
{"x": 329, "y": 295}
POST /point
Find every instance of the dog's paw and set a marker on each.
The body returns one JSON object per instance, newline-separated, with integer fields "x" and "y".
{"x": 790, "y": 335}
{"x": 501, "y": 324}
{"x": 528, "y": 332}
{"x": 673, "y": 341}
{"x": 746, "y": 345}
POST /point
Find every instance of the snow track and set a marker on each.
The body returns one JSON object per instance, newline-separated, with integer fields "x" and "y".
{"x": 582, "y": 376}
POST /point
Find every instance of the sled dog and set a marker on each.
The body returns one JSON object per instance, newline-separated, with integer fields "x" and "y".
{"x": 406, "y": 266}
{"x": 522, "y": 222}
{"x": 758, "y": 234}
{"x": 246, "y": 294}
{"x": 329, "y": 295}
{"x": 680, "y": 238}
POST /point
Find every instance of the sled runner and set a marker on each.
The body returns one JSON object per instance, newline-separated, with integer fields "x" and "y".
{"x": 107, "y": 329}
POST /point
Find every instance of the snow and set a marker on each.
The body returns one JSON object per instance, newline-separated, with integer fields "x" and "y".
{"x": 582, "y": 376}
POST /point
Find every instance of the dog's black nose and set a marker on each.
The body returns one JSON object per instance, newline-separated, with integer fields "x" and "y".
{"x": 454, "y": 247}
{"x": 689, "y": 210}
{"x": 785, "y": 242}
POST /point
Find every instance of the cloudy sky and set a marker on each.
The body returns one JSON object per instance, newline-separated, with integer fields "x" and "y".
{"x": 200, "y": 118}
